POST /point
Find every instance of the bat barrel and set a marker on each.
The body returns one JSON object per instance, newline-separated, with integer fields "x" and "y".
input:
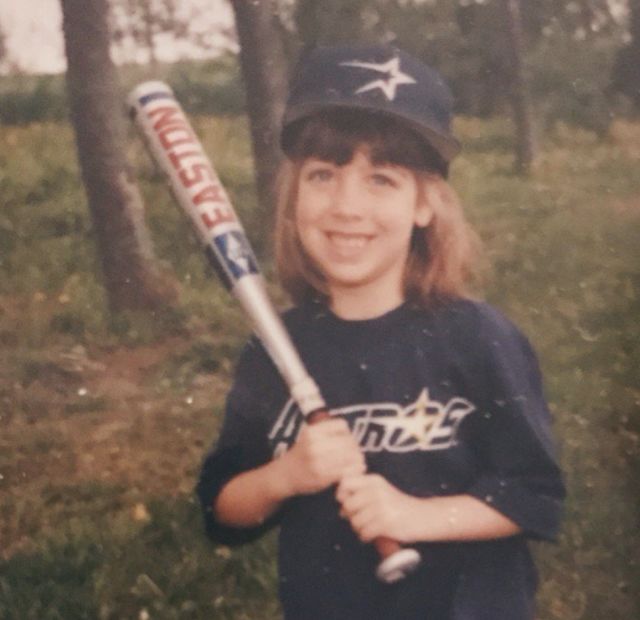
{"x": 180, "y": 155}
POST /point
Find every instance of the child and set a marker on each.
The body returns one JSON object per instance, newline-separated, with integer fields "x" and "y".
{"x": 439, "y": 436}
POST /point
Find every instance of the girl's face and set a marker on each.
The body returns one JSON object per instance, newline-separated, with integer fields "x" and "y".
{"x": 355, "y": 223}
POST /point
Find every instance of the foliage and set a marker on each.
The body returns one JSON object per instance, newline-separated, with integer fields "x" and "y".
{"x": 571, "y": 83}
{"x": 104, "y": 423}
{"x": 27, "y": 99}
{"x": 211, "y": 87}
{"x": 625, "y": 78}
{"x": 3, "y": 48}
{"x": 570, "y": 48}
{"x": 144, "y": 24}
{"x": 203, "y": 87}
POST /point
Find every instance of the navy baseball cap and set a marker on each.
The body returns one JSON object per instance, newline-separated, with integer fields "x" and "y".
{"x": 377, "y": 78}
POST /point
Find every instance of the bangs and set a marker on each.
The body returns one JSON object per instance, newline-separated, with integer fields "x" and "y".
{"x": 335, "y": 135}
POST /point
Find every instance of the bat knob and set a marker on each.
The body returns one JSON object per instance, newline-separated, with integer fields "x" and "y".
{"x": 398, "y": 565}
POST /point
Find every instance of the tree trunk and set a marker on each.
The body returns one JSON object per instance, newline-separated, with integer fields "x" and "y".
{"x": 625, "y": 78}
{"x": 264, "y": 71}
{"x": 131, "y": 277}
{"x": 519, "y": 87}
{"x": 148, "y": 35}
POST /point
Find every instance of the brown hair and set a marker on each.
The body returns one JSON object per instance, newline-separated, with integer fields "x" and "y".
{"x": 444, "y": 257}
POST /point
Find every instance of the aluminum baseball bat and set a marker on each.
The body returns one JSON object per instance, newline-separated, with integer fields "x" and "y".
{"x": 179, "y": 154}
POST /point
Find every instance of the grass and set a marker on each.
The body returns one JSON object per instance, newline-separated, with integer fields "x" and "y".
{"x": 567, "y": 269}
{"x": 105, "y": 419}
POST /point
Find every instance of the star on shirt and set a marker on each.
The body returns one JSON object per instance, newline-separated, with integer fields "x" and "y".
{"x": 388, "y": 84}
{"x": 419, "y": 422}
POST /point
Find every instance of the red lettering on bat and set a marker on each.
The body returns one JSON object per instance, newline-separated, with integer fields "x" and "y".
{"x": 221, "y": 216}
{"x": 175, "y": 158}
{"x": 195, "y": 174}
{"x": 174, "y": 136}
{"x": 173, "y": 130}
{"x": 210, "y": 193}
{"x": 168, "y": 115}
{"x": 172, "y": 127}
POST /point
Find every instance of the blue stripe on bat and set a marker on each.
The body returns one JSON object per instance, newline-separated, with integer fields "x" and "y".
{"x": 234, "y": 249}
{"x": 153, "y": 96}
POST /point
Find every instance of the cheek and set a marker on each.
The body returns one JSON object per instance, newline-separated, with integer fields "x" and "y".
{"x": 300, "y": 216}
{"x": 399, "y": 222}
{"x": 304, "y": 223}
{"x": 309, "y": 208}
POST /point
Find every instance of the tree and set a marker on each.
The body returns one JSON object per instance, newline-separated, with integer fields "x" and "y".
{"x": 625, "y": 76}
{"x": 264, "y": 71}
{"x": 132, "y": 279}
{"x": 142, "y": 24}
{"x": 6, "y": 62}
{"x": 3, "y": 47}
{"x": 341, "y": 22}
{"x": 518, "y": 86}
{"x": 136, "y": 20}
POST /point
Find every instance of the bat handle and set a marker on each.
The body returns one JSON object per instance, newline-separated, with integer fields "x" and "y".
{"x": 396, "y": 561}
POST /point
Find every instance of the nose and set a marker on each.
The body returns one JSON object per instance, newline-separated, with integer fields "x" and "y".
{"x": 348, "y": 197}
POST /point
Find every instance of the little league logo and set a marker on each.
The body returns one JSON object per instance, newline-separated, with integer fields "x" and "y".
{"x": 234, "y": 250}
{"x": 423, "y": 425}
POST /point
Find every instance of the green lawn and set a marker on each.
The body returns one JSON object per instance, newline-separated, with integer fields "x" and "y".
{"x": 105, "y": 419}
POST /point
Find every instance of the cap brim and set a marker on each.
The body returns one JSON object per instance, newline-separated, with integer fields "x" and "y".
{"x": 446, "y": 146}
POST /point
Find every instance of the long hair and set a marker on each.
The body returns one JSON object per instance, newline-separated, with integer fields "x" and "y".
{"x": 444, "y": 257}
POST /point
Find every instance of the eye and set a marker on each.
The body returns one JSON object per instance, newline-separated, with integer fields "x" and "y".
{"x": 319, "y": 173}
{"x": 383, "y": 180}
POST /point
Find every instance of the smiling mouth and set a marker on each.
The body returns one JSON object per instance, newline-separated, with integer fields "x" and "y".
{"x": 345, "y": 241}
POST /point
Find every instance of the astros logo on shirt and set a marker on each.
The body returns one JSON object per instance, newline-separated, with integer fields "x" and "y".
{"x": 423, "y": 425}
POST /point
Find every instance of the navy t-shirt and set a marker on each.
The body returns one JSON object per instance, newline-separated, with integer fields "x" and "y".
{"x": 443, "y": 401}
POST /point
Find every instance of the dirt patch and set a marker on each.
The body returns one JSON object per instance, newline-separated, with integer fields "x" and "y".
{"x": 626, "y": 207}
{"x": 98, "y": 417}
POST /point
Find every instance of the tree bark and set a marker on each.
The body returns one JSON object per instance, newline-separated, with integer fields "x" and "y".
{"x": 264, "y": 70}
{"x": 625, "y": 78}
{"x": 131, "y": 277}
{"x": 148, "y": 34}
{"x": 519, "y": 87}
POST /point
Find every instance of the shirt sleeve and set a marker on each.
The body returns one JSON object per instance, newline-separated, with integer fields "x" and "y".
{"x": 242, "y": 444}
{"x": 511, "y": 433}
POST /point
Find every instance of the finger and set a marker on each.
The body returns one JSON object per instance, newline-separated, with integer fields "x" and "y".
{"x": 357, "y": 468}
{"x": 347, "y": 486}
{"x": 333, "y": 427}
{"x": 364, "y": 525}
{"x": 354, "y": 484}
{"x": 357, "y": 504}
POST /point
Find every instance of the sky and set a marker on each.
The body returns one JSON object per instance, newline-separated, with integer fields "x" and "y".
{"x": 33, "y": 31}
{"x": 33, "y": 34}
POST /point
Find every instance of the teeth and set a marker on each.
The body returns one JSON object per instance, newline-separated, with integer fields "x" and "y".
{"x": 348, "y": 241}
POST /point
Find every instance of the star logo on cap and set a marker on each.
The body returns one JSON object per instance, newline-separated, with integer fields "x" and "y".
{"x": 394, "y": 77}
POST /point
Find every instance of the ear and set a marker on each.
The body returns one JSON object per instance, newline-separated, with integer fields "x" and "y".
{"x": 424, "y": 205}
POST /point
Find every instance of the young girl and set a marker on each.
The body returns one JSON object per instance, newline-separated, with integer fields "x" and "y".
{"x": 439, "y": 434}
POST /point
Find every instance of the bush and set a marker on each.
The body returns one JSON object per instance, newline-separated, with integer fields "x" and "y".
{"x": 29, "y": 99}
{"x": 212, "y": 87}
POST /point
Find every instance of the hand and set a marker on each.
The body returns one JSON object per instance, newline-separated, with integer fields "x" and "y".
{"x": 323, "y": 454}
{"x": 375, "y": 508}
